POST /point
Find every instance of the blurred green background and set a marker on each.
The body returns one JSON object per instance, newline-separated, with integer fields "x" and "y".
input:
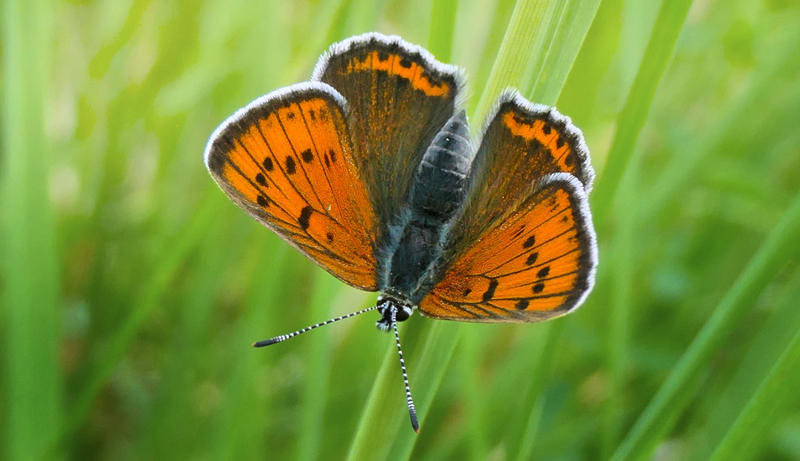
{"x": 132, "y": 287}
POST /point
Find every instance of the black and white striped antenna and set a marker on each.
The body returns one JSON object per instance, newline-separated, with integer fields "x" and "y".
{"x": 277, "y": 339}
{"x": 412, "y": 411}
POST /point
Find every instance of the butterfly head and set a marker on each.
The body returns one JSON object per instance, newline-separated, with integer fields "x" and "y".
{"x": 388, "y": 305}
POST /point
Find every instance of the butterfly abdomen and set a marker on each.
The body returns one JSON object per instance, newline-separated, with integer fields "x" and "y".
{"x": 435, "y": 197}
{"x": 440, "y": 180}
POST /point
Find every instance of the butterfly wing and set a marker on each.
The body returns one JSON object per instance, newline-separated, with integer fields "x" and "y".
{"x": 399, "y": 97}
{"x": 288, "y": 160}
{"x": 523, "y": 247}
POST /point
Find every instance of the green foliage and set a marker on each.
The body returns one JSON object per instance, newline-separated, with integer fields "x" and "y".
{"x": 132, "y": 288}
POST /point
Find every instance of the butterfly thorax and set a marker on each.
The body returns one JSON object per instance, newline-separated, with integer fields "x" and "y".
{"x": 435, "y": 197}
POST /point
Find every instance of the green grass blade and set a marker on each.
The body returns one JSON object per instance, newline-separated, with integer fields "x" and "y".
{"x": 668, "y": 26}
{"x": 362, "y": 15}
{"x": 685, "y": 164}
{"x": 443, "y": 23}
{"x": 538, "y": 49}
{"x": 592, "y": 63}
{"x": 499, "y": 24}
{"x": 380, "y": 400}
{"x": 31, "y": 407}
{"x": 765, "y": 350}
{"x": 472, "y": 390}
{"x": 777, "y": 388}
{"x": 437, "y": 351}
{"x": 102, "y": 367}
{"x": 656, "y": 420}
{"x": 327, "y": 27}
{"x": 621, "y": 308}
{"x": 243, "y": 420}
{"x": 385, "y": 413}
{"x": 163, "y": 434}
{"x": 541, "y": 374}
{"x": 569, "y": 25}
{"x": 318, "y": 361}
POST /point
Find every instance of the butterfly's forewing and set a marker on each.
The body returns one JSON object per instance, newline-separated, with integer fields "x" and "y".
{"x": 523, "y": 247}
{"x": 399, "y": 97}
{"x": 536, "y": 264}
{"x": 287, "y": 159}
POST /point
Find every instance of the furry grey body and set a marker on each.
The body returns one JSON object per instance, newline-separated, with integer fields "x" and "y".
{"x": 434, "y": 199}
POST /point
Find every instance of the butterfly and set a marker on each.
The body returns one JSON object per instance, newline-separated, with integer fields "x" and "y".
{"x": 370, "y": 170}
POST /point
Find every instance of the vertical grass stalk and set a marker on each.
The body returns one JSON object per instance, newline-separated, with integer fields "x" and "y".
{"x": 776, "y": 390}
{"x": 32, "y": 408}
{"x": 543, "y": 38}
{"x": 634, "y": 114}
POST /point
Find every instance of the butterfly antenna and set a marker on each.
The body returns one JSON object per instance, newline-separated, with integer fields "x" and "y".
{"x": 412, "y": 412}
{"x": 277, "y": 339}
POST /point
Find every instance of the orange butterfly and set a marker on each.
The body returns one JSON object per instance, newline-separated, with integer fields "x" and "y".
{"x": 369, "y": 170}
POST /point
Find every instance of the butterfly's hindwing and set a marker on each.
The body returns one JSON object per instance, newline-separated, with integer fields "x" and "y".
{"x": 521, "y": 143}
{"x": 287, "y": 159}
{"x": 537, "y": 264}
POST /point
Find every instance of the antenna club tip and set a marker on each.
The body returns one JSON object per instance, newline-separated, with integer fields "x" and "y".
{"x": 266, "y": 342}
{"x": 414, "y": 423}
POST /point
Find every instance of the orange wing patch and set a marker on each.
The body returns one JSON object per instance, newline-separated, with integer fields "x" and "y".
{"x": 536, "y": 264}
{"x": 546, "y": 134}
{"x": 554, "y": 142}
{"x": 288, "y": 162}
{"x": 402, "y": 66}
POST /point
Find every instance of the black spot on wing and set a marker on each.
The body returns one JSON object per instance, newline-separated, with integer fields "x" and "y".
{"x": 307, "y": 155}
{"x": 291, "y": 165}
{"x": 529, "y": 242}
{"x": 489, "y": 294}
{"x": 305, "y": 215}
